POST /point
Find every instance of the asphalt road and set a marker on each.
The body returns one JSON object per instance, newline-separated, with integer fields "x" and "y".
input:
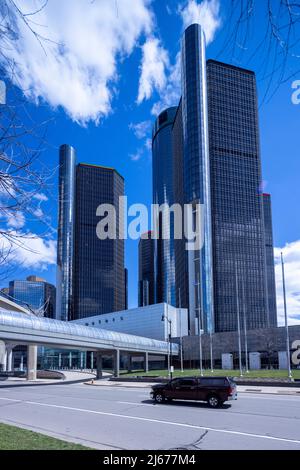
{"x": 120, "y": 418}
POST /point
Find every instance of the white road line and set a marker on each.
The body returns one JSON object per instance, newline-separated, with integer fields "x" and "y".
{"x": 132, "y": 403}
{"x": 11, "y": 399}
{"x": 157, "y": 421}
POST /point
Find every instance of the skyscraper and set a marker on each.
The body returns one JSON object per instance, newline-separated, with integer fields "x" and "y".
{"x": 269, "y": 244}
{"x": 146, "y": 270}
{"x": 163, "y": 193}
{"x": 237, "y": 202}
{"x": 36, "y": 293}
{"x": 92, "y": 269}
{"x": 215, "y": 159}
{"x": 196, "y": 170}
{"x": 65, "y": 235}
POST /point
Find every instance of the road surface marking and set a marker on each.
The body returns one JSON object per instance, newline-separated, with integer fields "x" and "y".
{"x": 149, "y": 420}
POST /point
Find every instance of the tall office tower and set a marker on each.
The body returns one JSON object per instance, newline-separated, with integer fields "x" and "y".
{"x": 146, "y": 270}
{"x": 163, "y": 193}
{"x": 197, "y": 175}
{"x": 94, "y": 269}
{"x": 65, "y": 236}
{"x": 36, "y": 293}
{"x": 214, "y": 159}
{"x": 237, "y": 203}
{"x": 269, "y": 244}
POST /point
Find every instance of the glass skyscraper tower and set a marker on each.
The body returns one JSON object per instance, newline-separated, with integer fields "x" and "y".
{"x": 214, "y": 154}
{"x": 90, "y": 270}
{"x": 163, "y": 193}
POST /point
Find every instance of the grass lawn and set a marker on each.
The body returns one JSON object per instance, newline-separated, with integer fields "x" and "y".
{"x": 13, "y": 438}
{"x": 231, "y": 373}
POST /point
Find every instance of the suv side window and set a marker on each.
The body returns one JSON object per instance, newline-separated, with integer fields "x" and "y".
{"x": 188, "y": 382}
{"x": 213, "y": 382}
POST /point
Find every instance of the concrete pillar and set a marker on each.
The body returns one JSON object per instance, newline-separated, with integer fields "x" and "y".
{"x": 116, "y": 365}
{"x": 146, "y": 362}
{"x": 2, "y": 355}
{"x": 92, "y": 361}
{"x": 70, "y": 360}
{"x": 31, "y": 362}
{"x": 59, "y": 360}
{"x": 9, "y": 354}
{"x": 81, "y": 360}
{"x": 129, "y": 363}
{"x": 99, "y": 365}
{"x": 4, "y": 361}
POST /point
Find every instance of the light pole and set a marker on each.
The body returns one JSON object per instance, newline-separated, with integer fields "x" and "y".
{"x": 211, "y": 351}
{"x": 288, "y": 354}
{"x": 238, "y": 321}
{"x": 199, "y": 329}
{"x": 181, "y": 346}
{"x": 163, "y": 318}
{"x": 245, "y": 327}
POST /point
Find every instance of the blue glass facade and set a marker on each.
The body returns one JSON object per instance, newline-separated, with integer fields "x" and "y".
{"x": 90, "y": 271}
{"x": 237, "y": 202}
{"x": 146, "y": 270}
{"x": 65, "y": 238}
{"x": 99, "y": 275}
{"x": 38, "y": 295}
{"x": 197, "y": 172}
{"x": 214, "y": 159}
{"x": 163, "y": 193}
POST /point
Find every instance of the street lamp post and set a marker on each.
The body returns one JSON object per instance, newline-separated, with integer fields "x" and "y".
{"x": 245, "y": 327}
{"x": 181, "y": 345}
{"x": 199, "y": 329}
{"x": 238, "y": 321}
{"x": 163, "y": 318}
{"x": 288, "y": 354}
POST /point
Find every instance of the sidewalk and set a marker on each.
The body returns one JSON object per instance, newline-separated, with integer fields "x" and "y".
{"x": 70, "y": 377}
{"x": 240, "y": 388}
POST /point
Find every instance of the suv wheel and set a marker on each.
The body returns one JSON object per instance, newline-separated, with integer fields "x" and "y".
{"x": 213, "y": 401}
{"x": 159, "y": 398}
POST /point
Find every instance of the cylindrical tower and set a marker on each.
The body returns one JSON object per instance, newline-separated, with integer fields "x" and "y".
{"x": 163, "y": 193}
{"x": 197, "y": 174}
{"x": 65, "y": 243}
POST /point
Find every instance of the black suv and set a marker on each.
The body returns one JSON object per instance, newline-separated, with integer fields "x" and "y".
{"x": 214, "y": 390}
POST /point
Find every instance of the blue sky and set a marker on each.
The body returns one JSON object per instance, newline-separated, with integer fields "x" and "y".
{"x": 113, "y": 70}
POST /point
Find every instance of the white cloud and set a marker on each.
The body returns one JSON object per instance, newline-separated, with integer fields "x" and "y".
{"x": 29, "y": 251}
{"x": 291, "y": 256}
{"x": 171, "y": 93}
{"x": 153, "y": 69}
{"x": 41, "y": 197}
{"x": 206, "y": 13}
{"x": 135, "y": 157}
{"x": 141, "y": 129}
{"x": 77, "y": 66}
{"x": 16, "y": 220}
{"x": 38, "y": 212}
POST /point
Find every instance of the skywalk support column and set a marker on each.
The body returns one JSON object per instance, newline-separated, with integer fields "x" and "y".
{"x": 146, "y": 363}
{"x": 99, "y": 374}
{"x": 9, "y": 358}
{"x": 116, "y": 365}
{"x": 31, "y": 362}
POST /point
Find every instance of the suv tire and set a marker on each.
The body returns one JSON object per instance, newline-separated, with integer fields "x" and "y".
{"x": 159, "y": 397}
{"x": 213, "y": 401}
